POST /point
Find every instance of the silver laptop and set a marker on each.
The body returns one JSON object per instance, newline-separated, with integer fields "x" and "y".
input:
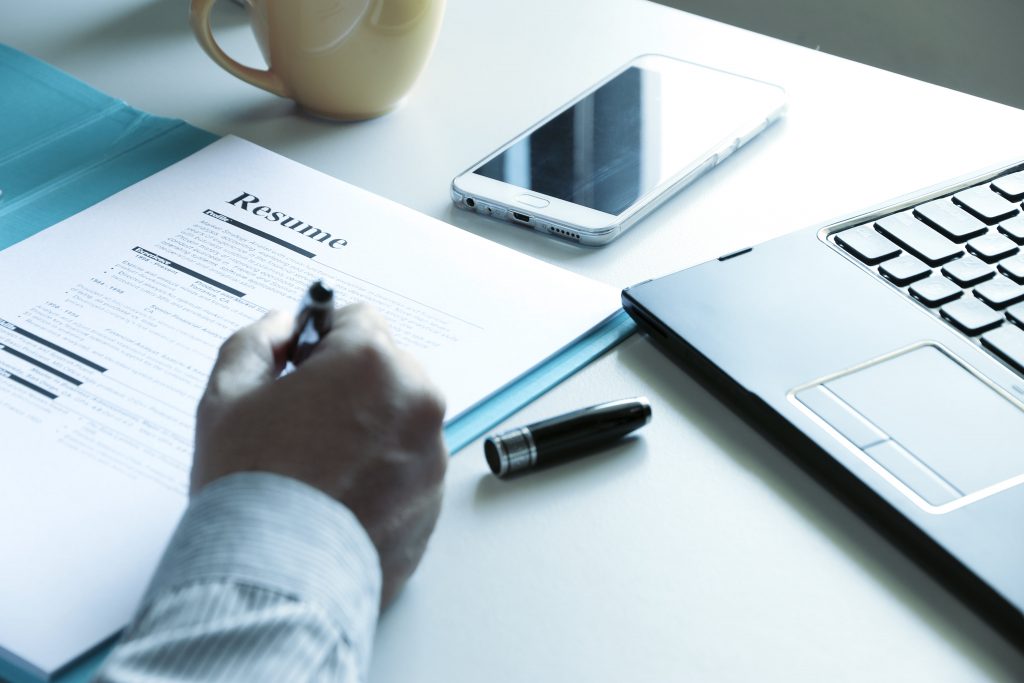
{"x": 886, "y": 354}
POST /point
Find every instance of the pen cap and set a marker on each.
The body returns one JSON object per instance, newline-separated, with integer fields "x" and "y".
{"x": 565, "y": 436}
{"x": 589, "y": 428}
{"x": 510, "y": 452}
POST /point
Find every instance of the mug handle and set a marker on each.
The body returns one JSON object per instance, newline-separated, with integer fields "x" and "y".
{"x": 199, "y": 18}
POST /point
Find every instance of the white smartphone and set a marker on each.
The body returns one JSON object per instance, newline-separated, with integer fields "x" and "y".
{"x": 597, "y": 165}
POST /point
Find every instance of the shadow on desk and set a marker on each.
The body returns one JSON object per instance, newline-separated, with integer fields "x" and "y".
{"x": 904, "y": 580}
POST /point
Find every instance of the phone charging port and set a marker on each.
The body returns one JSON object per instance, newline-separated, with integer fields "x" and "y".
{"x": 521, "y": 217}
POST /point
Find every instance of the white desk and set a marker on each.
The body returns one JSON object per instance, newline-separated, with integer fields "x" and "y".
{"x": 697, "y": 552}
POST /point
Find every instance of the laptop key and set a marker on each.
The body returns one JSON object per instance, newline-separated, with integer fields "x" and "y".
{"x": 1013, "y": 268}
{"x": 971, "y": 316}
{"x": 1016, "y": 314}
{"x": 967, "y": 271}
{"x": 935, "y": 290}
{"x": 1013, "y": 228}
{"x": 1010, "y": 186}
{"x": 950, "y": 220}
{"x": 986, "y": 204}
{"x": 1008, "y": 343}
{"x": 992, "y": 247}
{"x": 904, "y": 270}
{"x": 917, "y": 238}
{"x": 999, "y": 292}
{"x": 866, "y": 244}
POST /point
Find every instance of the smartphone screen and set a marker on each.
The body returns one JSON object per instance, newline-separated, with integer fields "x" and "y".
{"x": 620, "y": 146}
{"x": 599, "y": 153}
{"x": 613, "y": 146}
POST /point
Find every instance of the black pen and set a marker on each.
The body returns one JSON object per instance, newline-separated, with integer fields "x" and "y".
{"x": 312, "y": 321}
{"x": 564, "y": 437}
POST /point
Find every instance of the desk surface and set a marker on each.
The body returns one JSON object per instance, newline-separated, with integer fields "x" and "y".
{"x": 697, "y": 551}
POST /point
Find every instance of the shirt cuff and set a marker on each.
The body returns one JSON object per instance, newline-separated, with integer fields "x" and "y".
{"x": 276, "y": 532}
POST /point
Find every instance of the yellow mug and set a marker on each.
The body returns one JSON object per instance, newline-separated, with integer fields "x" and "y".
{"x": 341, "y": 59}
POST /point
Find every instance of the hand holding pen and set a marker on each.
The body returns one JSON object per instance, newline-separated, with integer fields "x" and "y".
{"x": 359, "y": 420}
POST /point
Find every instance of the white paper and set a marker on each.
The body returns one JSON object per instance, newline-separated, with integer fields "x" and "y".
{"x": 110, "y": 321}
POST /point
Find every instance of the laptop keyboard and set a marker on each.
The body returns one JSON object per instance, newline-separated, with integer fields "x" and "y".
{"x": 961, "y": 257}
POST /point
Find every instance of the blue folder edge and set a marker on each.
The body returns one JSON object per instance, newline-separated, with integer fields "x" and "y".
{"x": 66, "y": 146}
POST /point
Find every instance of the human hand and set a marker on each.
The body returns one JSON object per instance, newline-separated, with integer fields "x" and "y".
{"x": 358, "y": 419}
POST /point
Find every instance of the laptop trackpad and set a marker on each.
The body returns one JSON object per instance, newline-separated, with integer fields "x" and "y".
{"x": 932, "y": 424}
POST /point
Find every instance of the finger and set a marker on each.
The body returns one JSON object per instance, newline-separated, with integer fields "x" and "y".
{"x": 360, "y": 320}
{"x": 354, "y": 327}
{"x": 251, "y": 357}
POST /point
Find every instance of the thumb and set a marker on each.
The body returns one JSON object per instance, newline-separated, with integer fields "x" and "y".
{"x": 251, "y": 357}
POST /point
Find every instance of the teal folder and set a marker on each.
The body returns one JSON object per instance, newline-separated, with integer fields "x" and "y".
{"x": 65, "y": 146}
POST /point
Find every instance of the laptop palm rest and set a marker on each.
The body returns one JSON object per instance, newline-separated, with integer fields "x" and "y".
{"x": 938, "y": 432}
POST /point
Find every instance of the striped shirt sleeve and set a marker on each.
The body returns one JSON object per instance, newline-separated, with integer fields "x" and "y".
{"x": 265, "y": 579}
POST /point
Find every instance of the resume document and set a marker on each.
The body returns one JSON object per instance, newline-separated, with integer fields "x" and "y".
{"x": 110, "y": 322}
